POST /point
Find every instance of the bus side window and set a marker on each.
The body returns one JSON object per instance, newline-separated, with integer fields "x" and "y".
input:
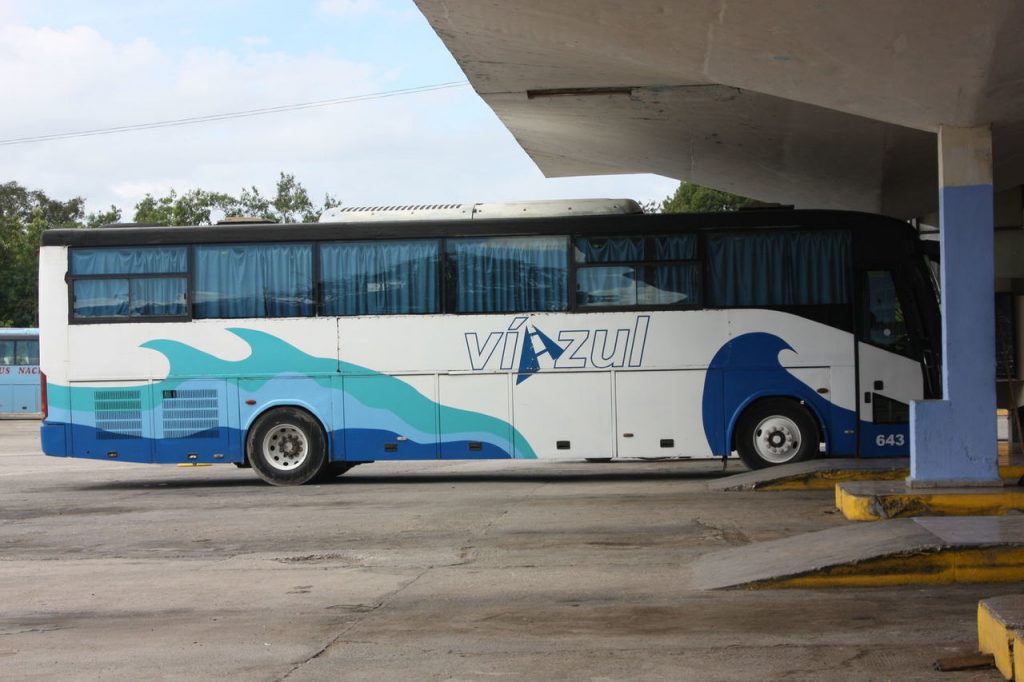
{"x": 7, "y": 352}
{"x": 508, "y": 274}
{"x": 779, "y": 268}
{"x": 254, "y": 280}
{"x": 883, "y": 323}
{"x": 659, "y": 270}
{"x": 379, "y": 277}
{"x": 129, "y": 282}
{"x": 27, "y": 352}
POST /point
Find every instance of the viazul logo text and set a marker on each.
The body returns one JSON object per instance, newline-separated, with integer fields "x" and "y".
{"x": 525, "y": 347}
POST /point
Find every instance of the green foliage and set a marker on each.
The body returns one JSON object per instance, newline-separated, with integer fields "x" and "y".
{"x": 251, "y": 204}
{"x": 103, "y": 218}
{"x": 290, "y": 204}
{"x": 24, "y": 214}
{"x": 194, "y": 207}
{"x": 691, "y": 198}
{"x": 18, "y": 203}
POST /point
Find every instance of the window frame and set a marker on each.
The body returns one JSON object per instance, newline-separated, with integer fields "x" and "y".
{"x": 449, "y": 288}
{"x": 314, "y": 273}
{"x": 16, "y": 344}
{"x": 648, "y": 247}
{"x": 913, "y": 327}
{"x": 444, "y": 265}
{"x": 439, "y": 269}
{"x": 71, "y": 278}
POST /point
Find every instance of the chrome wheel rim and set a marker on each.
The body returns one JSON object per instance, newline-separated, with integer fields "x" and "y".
{"x": 777, "y": 439}
{"x": 285, "y": 447}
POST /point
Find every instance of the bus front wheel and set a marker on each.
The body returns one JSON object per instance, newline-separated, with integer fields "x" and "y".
{"x": 286, "y": 446}
{"x": 776, "y": 431}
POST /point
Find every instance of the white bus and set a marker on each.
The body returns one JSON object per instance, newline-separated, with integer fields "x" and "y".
{"x": 550, "y": 330}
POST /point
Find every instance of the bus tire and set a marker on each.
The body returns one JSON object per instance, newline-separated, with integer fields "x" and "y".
{"x": 776, "y": 431}
{"x": 286, "y": 446}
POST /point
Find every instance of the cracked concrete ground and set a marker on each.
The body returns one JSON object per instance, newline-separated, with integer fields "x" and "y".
{"x": 429, "y": 571}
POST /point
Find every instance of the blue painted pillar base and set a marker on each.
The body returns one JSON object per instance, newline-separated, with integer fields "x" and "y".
{"x": 953, "y": 441}
{"x": 947, "y": 447}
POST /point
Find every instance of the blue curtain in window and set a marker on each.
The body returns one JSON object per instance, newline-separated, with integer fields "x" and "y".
{"x": 677, "y": 284}
{"x": 779, "y": 268}
{"x": 609, "y": 250}
{"x": 158, "y": 297}
{"x": 379, "y": 278}
{"x": 130, "y": 261}
{"x": 265, "y": 280}
{"x": 675, "y": 247}
{"x": 101, "y": 298}
{"x": 613, "y": 285}
{"x": 509, "y": 274}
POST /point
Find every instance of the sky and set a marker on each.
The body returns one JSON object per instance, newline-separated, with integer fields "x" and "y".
{"x": 68, "y": 66}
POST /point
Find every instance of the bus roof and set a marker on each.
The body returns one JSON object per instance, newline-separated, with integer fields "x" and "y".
{"x": 603, "y": 224}
{"x": 18, "y": 332}
{"x": 509, "y": 209}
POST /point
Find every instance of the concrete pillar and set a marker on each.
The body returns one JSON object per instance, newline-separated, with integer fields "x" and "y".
{"x": 953, "y": 440}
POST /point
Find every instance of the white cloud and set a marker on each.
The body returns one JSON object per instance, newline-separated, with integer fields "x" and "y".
{"x": 439, "y": 146}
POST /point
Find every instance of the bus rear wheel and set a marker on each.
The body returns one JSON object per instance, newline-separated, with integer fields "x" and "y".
{"x": 776, "y": 431}
{"x": 286, "y": 446}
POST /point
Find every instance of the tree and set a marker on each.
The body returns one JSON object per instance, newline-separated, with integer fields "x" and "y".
{"x": 194, "y": 207}
{"x": 24, "y": 214}
{"x": 290, "y": 204}
{"x": 103, "y": 217}
{"x": 691, "y": 198}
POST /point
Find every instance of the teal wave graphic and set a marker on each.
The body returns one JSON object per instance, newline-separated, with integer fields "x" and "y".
{"x": 271, "y": 357}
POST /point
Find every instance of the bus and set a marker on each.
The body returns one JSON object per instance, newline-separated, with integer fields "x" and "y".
{"x": 19, "y": 371}
{"x": 543, "y": 330}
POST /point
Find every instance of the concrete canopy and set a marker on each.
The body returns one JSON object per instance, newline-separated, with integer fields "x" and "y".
{"x": 827, "y": 103}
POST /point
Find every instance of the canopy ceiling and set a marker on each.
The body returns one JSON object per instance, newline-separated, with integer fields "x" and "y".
{"x": 827, "y": 103}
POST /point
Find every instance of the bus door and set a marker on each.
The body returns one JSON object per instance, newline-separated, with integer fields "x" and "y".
{"x": 889, "y": 362}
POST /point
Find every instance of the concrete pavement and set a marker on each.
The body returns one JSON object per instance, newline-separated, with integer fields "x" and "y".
{"x": 429, "y": 571}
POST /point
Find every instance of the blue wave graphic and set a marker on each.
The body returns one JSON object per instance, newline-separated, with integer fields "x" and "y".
{"x": 378, "y": 409}
{"x": 746, "y": 368}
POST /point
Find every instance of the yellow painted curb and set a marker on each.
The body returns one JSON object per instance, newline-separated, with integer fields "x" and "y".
{"x": 923, "y": 502}
{"x": 1011, "y": 473}
{"x": 996, "y": 638}
{"x": 855, "y": 507}
{"x": 1018, "y": 661}
{"x": 941, "y": 567}
{"x": 826, "y": 480}
{"x": 195, "y": 464}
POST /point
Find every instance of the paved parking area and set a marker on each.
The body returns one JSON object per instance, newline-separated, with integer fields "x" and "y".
{"x": 429, "y": 571}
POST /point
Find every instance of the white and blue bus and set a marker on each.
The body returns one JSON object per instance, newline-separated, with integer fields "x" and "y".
{"x": 19, "y": 371}
{"x": 548, "y": 330}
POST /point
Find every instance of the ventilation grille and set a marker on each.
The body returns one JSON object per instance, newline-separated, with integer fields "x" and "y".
{"x": 379, "y": 209}
{"x": 191, "y": 413}
{"x": 118, "y": 413}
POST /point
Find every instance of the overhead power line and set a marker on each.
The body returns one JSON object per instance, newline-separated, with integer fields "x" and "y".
{"x": 234, "y": 114}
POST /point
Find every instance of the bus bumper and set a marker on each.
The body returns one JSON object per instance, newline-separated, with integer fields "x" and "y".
{"x": 54, "y": 439}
